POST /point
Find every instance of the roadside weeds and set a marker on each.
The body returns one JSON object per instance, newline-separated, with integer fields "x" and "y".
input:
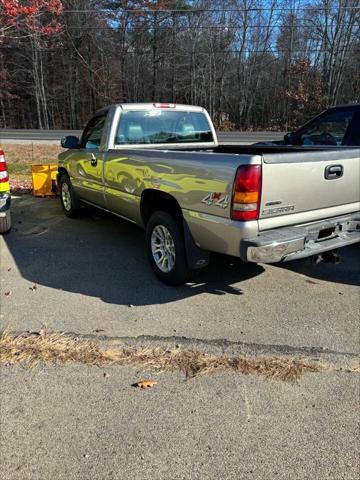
{"x": 57, "y": 348}
{"x": 19, "y": 158}
{"x": 26, "y": 154}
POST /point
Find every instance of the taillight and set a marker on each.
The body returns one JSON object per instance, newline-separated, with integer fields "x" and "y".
{"x": 246, "y": 193}
{"x": 4, "y": 177}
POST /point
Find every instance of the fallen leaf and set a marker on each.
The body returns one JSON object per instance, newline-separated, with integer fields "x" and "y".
{"x": 145, "y": 384}
{"x": 7, "y": 294}
{"x": 33, "y": 288}
{"x": 40, "y": 333}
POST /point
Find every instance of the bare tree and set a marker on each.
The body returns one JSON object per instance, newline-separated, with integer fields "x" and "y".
{"x": 251, "y": 64}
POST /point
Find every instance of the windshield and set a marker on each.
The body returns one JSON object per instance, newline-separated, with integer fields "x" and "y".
{"x": 162, "y": 126}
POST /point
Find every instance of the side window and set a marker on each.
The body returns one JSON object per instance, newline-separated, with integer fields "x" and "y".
{"x": 329, "y": 130}
{"x": 91, "y": 138}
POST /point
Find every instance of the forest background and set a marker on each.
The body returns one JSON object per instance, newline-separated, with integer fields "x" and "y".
{"x": 253, "y": 64}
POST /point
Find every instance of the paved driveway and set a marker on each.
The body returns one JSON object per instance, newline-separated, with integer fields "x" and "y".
{"x": 88, "y": 271}
{"x": 92, "y": 274}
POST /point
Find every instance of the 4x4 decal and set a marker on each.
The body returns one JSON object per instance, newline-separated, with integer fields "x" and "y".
{"x": 217, "y": 199}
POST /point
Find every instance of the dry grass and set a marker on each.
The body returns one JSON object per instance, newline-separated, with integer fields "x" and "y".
{"x": 55, "y": 348}
{"x": 20, "y": 157}
{"x": 31, "y": 153}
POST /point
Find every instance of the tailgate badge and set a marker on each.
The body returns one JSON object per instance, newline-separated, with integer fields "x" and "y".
{"x": 278, "y": 210}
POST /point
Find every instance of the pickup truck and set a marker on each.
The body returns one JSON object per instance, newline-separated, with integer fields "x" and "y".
{"x": 160, "y": 166}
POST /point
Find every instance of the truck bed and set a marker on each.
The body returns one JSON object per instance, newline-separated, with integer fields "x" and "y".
{"x": 264, "y": 149}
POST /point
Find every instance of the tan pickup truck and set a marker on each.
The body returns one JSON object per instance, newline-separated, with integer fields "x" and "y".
{"x": 160, "y": 166}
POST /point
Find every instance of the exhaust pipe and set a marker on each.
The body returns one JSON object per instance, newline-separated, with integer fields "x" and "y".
{"x": 327, "y": 257}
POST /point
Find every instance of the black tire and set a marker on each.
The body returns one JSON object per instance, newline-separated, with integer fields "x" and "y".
{"x": 69, "y": 201}
{"x": 5, "y": 222}
{"x": 179, "y": 273}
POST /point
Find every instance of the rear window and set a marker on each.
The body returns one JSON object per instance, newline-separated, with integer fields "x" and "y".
{"x": 162, "y": 126}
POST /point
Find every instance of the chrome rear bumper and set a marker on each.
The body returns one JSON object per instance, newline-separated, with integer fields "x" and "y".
{"x": 292, "y": 243}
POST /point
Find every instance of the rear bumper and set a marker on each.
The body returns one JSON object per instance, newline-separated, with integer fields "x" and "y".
{"x": 292, "y": 243}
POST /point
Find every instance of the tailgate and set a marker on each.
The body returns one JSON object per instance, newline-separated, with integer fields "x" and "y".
{"x": 307, "y": 186}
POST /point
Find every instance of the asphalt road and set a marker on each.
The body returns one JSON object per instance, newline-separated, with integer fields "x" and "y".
{"x": 54, "y": 136}
{"x": 71, "y": 423}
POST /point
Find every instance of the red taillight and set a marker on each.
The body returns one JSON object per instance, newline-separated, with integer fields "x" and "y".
{"x": 4, "y": 177}
{"x": 246, "y": 193}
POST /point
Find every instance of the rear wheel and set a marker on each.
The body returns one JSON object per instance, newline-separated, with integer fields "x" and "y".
{"x": 69, "y": 201}
{"x": 166, "y": 249}
{"x": 5, "y": 222}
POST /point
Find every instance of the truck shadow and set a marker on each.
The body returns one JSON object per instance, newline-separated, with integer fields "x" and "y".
{"x": 347, "y": 272}
{"x": 100, "y": 256}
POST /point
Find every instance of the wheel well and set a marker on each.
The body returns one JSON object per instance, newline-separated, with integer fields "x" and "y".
{"x": 62, "y": 171}
{"x": 153, "y": 200}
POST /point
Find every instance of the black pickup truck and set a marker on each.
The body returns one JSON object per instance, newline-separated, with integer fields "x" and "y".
{"x": 337, "y": 126}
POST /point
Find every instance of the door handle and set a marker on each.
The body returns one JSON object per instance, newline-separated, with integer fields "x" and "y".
{"x": 334, "y": 171}
{"x": 93, "y": 160}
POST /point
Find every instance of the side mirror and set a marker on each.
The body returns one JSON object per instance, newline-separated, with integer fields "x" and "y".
{"x": 291, "y": 138}
{"x": 70, "y": 142}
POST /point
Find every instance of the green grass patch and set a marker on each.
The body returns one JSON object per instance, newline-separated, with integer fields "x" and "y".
{"x": 20, "y": 171}
{"x": 20, "y": 157}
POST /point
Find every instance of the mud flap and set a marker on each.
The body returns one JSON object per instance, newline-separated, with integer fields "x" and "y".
{"x": 196, "y": 257}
